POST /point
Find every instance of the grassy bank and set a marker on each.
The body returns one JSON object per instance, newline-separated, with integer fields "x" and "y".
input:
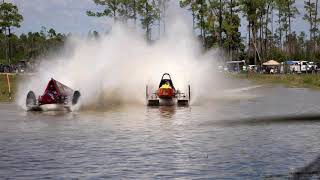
{"x": 4, "y": 90}
{"x": 289, "y": 80}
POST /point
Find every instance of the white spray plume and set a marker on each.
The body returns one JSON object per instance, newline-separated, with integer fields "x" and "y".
{"x": 117, "y": 68}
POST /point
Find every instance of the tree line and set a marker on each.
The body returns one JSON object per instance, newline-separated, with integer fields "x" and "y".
{"x": 25, "y": 46}
{"x": 149, "y": 12}
{"x": 269, "y": 33}
{"x": 14, "y": 48}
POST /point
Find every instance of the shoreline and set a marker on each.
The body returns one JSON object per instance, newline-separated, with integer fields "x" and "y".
{"x": 311, "y": 81}
{"x": 6, "y": 95}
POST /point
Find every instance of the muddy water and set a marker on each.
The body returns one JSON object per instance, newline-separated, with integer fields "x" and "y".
{"x": 271, "y": 134}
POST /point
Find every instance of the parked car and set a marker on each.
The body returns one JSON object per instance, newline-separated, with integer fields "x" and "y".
{"x": 312, "y": 67}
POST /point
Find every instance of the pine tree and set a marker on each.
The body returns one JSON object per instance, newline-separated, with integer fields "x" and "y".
{"x": 111, "y": 9}
{"x": 9, "y": 18}
{"x": 148, "y": 15}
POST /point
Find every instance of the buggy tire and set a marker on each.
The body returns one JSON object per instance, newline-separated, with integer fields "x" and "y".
{"x": 31, "y": 100}
{"x": 75, "y": 97}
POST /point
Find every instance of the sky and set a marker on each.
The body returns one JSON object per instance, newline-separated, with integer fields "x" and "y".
{"x": 62, "y": 15}
{"x": 70, "y": 16}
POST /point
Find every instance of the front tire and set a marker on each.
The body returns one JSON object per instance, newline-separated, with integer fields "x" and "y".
{"x": 31, "y": 100}
{"x": 75, "y": 97}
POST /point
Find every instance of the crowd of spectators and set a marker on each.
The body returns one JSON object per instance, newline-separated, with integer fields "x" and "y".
{"x": 20, "y": 67}
{"x": 9, "y": 68}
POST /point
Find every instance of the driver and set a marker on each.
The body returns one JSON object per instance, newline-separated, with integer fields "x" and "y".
{"x": 166, "y": 85}
{"x": 52, "y": 89}
{"x": 52, "y": 92}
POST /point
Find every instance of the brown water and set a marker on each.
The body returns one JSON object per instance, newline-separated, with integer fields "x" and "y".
{"x": 238, "y": 136}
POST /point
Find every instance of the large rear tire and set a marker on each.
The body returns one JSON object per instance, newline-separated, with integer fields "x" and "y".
{"x": 189, "y": 92}
{"x": 147, "y": 92}
{"x": 75, "y": 97}
{"x": 31, "y": 100}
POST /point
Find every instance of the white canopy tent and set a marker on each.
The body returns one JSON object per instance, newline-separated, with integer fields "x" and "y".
{"x": 271, "y": 63}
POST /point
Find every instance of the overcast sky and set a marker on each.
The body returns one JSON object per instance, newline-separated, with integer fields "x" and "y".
{"x": 70, "y": 16}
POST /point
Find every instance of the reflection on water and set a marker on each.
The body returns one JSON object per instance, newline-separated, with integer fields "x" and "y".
{"x": 276, "y": 134}
{"x": 167, "y": 112}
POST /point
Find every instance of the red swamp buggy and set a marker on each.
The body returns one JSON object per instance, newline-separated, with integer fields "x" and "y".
{"x": 167, "y": 94}
{"x": 56, "y": 96}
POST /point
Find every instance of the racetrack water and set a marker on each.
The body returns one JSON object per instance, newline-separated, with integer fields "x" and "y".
{"x": 116, "y": 68}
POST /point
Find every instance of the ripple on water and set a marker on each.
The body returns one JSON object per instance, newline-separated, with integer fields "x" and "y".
{"x": 226, "y": 139}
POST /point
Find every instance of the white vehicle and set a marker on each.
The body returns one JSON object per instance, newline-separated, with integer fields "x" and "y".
{"x": 235, "y": 66}
{"x": 304, "y": 66}
{"x": 307, "y": 67}
{"x": 252, "y": 67}
{"x": 312, "y": 67}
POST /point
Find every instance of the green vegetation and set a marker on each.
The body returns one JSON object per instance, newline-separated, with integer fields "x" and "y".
{"x": 29, "y": 46}
{"x": 4, "y": 92}
{"x": 263, "y": 42}
{"x": 216, "y": 22}
{"x": 289, "y": 80}
{"x": 270, "y": 34}
{"x": 25, "y": 46}
{"x": 123, "y": 10}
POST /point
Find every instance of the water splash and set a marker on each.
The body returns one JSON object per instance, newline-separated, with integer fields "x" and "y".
{"x": 116, "y": 68}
